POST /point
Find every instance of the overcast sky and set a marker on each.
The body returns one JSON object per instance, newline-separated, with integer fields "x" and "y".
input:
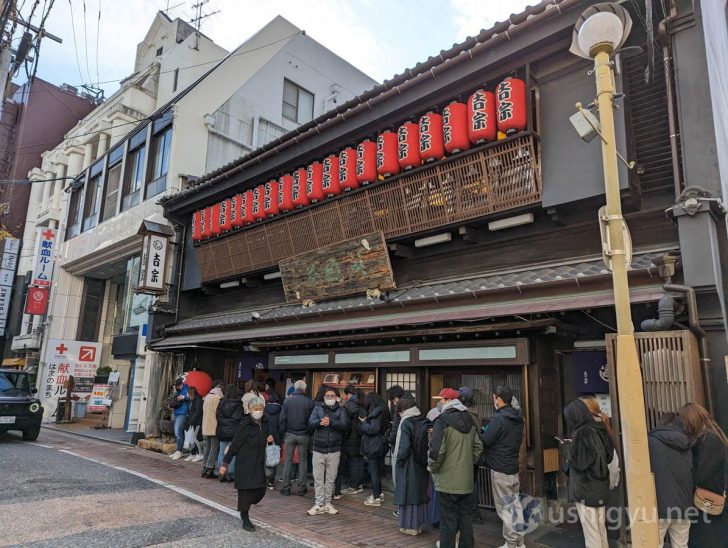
{"x": 380, "y": 37}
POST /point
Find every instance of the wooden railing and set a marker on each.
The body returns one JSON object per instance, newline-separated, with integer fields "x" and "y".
{"x": 478, "y": 183}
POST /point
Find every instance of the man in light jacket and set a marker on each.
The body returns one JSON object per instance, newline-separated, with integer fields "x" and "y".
{"x": 209, "y": 429}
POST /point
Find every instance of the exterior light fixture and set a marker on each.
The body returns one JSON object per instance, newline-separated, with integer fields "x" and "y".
{"x": 227, "y": 285}
{"x": 510, "y": 222}
{"x": 434, "y": 240}
{"x": 272, "y": 275}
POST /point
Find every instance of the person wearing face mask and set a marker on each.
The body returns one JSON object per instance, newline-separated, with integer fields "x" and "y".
{"x": 248, "y": 448}
{"x": 328, "y": 422}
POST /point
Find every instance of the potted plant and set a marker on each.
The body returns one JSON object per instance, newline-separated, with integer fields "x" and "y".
{"x": 102, "y": 374}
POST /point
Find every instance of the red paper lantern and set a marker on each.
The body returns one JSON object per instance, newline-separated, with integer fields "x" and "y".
{"x": 482, "y": 123}
{"x": 200, "y": 380}
{"x": 455, "y": 127}
{"x": 330, "y": 179}
{"x": 432, "y": 145}
{"x": 298, "y": 192}
{"x": 225, "y": 210}
{"x": 408, "y": 141}
{"x": 512, "y": 106}
{"x": 205, "y": 225}
{"x": 314, "y": 182}
{"x": 248, "y": 201}
{"x": 366, "y": 162}
{"x": 347, "y": 169}
{"x": 285, "y": 193}
{"x": 387, "y": 155}
{"x": 215, "y": 220}
{"x": 236, "y": 212}
{"x": 258, "y": 210}
{"x": 270, "y": 198}
{"x": 197, "y": 218}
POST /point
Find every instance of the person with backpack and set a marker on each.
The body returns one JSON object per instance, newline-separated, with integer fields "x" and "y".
{"x": 501, "y": 444}
{"x": 272, "y": 411}
{"x": 229, "y": 414}
{"x": 209, "y": 429}
{"x": 454, "y": 448}
{"x": 588, "y": 455}
{"x": 410, "y": 467}
{"x": 373, "y": 422}
{"x": 353, "y": 399}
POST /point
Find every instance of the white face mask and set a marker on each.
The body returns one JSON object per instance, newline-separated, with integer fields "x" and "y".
{"x": 257, "y": 415}
{"x": 330, "y": 402}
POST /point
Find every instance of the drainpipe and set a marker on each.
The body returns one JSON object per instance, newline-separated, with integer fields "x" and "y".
{"x": 699, "y": 332}
{"x": 669, "y": 92}
{"x": 666, "y": 315}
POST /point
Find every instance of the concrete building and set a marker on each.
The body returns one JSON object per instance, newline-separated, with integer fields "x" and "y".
{"x": 189, "y": 106}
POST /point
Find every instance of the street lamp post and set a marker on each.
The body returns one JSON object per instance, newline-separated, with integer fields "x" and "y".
{"x": 600, "y": 31}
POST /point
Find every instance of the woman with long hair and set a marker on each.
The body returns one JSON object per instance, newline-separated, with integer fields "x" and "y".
{"x": 710, "y": 460}
{"x": 588, "y": 456}
{"x": 373, "y": 422}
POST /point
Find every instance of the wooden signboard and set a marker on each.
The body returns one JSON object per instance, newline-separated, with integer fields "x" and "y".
{"x": 347, "y": 268}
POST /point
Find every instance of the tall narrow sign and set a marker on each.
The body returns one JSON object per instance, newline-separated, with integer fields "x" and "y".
{"x": 8, "y": 263}
{"x": 153, "y": 264}
{"x": 44, "y": 258}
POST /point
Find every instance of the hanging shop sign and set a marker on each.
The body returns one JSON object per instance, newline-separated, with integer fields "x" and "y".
{"x": 153, "y": 264}
{"x": 44, "y": 258}
{"x": 347, "y": 268}
{"x": 37, "y": 301}
{"x": 8, "y": 263}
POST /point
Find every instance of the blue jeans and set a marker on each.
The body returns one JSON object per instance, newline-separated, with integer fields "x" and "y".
{"x": 221, "y": 455}
{"x": 179, "y": 430}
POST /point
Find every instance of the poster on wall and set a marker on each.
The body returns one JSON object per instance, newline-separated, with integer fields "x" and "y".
{"x": 590, "y": 372}
{"x": 65, "y": 358}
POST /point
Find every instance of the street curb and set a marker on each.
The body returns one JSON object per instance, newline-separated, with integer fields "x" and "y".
{"x": 88, "y": 436}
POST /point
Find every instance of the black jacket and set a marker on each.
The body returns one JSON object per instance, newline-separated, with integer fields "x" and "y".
{"x": 248, "y": 448}
{"x": 327, "y": 439}
{"x": 392, "y": 437}
{"x": 502, "y": 440}
{"x": 352, "y": 441}
{"x": 710, "y": 463}
{"x": 229, "y": 412}
{"x": 295, "y": 414}
{"x": 671, "y": 462}
{"x": 374, "y": 442}
{"x": 194, "y": 416}
{"x": 588, "y": 456}
{"x": 411, "y": 476}
{"x": 273, "y": 412}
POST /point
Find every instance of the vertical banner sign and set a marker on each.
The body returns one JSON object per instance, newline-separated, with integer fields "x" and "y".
{"x": 8, "y": 264}
{"x": 37, "y": 301}
{"x": 44, "y": 258}
{"x": 153, "y": 264}
{"x": 64, "y": 358}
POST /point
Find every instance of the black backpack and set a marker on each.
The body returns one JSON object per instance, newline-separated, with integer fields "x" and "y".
{"x": 421, "y": 440}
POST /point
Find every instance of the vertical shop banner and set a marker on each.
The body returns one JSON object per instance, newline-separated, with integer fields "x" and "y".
{"x": 44, "y": 258}
{"x": 153, "y": 264}
{"x": 8, "y": 264}
{"x": 65, "y": 358}
{"x": 590, "y": 372}
{"x": 37, "y": 301}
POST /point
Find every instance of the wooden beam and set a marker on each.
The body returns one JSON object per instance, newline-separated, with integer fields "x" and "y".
{"x": 471, "y": 235}
{"x": 401, "y": 250}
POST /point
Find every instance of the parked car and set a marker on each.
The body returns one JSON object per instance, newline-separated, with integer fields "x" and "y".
{"x": 19, "y": 408}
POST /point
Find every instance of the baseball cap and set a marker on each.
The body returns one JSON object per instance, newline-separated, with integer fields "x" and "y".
{"x": 466, "y": 392}
{"x": 447, "y": 394}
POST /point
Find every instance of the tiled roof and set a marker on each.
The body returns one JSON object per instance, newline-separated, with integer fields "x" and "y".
{"x": 341, "y": 111}
{"x": 422, "y": 293}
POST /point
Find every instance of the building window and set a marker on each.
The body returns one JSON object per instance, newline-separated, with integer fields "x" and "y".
{"x": 91, "y": 305}
{"x": 176, "y": 79}
{"x": 160, "y": 50}
{"x": 74, "y": 213}
{"x": 408, "y": 381}
{"x": 113, "y": 182}
{"x": 297, "y": 103}
{"x": 94, "y": 193}
{"x": 134, "y": 176}
{"x": 132, "y": 309}
{"x": 159, "y": 161}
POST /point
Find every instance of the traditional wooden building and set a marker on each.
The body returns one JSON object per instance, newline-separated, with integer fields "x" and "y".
{"x": 478, "y": 260}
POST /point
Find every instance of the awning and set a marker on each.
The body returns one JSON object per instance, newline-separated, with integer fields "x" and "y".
{"x": 13, "y": 362}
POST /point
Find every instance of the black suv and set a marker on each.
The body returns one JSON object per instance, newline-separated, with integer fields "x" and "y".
{"x": 19, "y": 408}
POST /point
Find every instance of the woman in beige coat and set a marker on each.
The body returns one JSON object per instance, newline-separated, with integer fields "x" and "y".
{"x": 209, "y": 430}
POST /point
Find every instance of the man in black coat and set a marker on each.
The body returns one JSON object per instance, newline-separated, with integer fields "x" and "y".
{"x": 293, "y": 425}
{"x": 671, "y": 462}
{"x": 351, "y": 450}
{"x": 501, "y": 444}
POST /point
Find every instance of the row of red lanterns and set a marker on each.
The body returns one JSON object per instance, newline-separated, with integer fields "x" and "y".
{"x": 460, "y": 126}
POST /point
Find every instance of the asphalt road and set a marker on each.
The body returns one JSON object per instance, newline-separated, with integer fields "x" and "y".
{"x": 52, "y": 498}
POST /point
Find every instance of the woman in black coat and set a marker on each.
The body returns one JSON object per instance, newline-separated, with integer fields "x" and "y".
{"x": 273, "y": 415}
{"x": 248, "y": 447}
{"x": 373, "y": 426}
{"x": 194, "y": 420}
{"x": 410, "y": 493}
{"x": 229, "y": 413}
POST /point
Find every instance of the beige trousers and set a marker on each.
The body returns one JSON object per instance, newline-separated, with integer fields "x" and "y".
{"x": 593, "y": 523}
{"x": 679, "y": 530}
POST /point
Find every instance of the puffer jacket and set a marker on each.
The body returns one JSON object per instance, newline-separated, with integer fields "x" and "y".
{"x": 229, "y": 413}
{"x": 194, "y": 417}
{"x": 296, "y": 412}
{"x": 352, "y": 442}
{"x": 374, "y": 439}
{"x": 588, "y": 457}
{"x": 328, "y": 439}
{"x": 502, "y": 440}
{"x": 454, "y": 448}
{"x": 273, "y": 412}
{"x": 671, "y": 461}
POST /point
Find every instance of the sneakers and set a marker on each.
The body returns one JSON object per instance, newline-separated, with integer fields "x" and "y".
{"x": 196, "y": 458}
{"x": 176, "y": 455}
{"x": 413, "y": 532}
{"x": 371, "y": 501}
{"x": 339, "y": 496}
{"x": 352, "y": 490}
{"x": 395, "y": 513}
{"x": 286, "y": 491}
{"x": 316, "y": 510}
{"x": 331, "y": 510}
{"x": 189, "y": 458}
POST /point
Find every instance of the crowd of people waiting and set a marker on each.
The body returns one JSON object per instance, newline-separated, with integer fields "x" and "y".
{"x": 435, "y": 456}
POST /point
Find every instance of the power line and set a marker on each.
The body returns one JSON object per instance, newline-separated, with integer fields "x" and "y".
{"x": 85, "y": 40}
{"x": 98, "y": 28}
{"x": 75, "y": 44}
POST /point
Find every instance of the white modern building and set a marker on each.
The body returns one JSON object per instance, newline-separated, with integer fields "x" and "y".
{"x": 190, "y": 107}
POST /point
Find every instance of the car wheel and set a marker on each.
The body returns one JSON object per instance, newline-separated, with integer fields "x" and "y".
{"x": 31, "y": 434}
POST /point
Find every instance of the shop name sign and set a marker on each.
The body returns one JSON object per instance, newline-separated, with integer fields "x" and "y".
{"x": 153, "y": 264}
{"x": 347, "y": 268}
{"x": 44, "y": 258}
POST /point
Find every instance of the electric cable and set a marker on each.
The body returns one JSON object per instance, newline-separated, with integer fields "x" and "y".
{"x": 75, "y": 44}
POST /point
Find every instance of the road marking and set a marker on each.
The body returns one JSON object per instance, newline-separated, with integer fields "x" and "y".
{"x": 42, "y": 445}
{"x": 189, "y": 494}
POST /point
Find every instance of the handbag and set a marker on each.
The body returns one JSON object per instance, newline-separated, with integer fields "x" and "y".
{"x": 272, "y": 455}
{"x": 614, "y": 471}
{"x": 190, "y": 438}
{"x": 709, "y": 502}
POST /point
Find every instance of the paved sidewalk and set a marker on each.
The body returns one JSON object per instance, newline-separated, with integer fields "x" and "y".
{"x": 355, "y": 525}
{"x": 85, "y": 427}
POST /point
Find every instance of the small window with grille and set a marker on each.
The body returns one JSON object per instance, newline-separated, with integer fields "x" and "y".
{"x": 408, "y": 381}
